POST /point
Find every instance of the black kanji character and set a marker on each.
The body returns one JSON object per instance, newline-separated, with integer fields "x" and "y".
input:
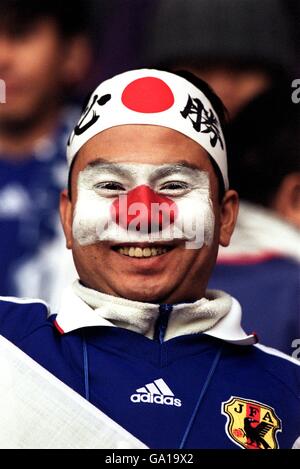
{"x": 204, "y": 118}
{"x": 212, "y": 127}
{"x": 82, "y": 127}
{"x": 193, "y": 106}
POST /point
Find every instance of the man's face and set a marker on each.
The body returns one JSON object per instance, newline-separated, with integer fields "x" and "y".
{"x": 34, "y": 65}
{"x": 132, "y": 155}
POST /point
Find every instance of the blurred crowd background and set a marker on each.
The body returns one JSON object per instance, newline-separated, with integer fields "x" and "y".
{"x": 53, "y": 53}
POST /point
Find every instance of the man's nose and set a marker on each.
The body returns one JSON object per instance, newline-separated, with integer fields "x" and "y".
{"x": 144, "y": 210}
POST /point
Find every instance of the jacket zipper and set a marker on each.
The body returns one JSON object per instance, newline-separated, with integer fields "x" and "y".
{"x": 162, "y": 322}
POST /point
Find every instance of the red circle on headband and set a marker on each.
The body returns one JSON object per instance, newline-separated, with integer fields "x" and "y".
{"x": 148, "y": 95}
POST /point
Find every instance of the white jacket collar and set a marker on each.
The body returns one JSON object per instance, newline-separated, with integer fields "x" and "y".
{"x": 218, "y": 315}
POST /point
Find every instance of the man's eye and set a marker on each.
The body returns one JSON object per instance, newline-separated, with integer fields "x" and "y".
{"x": 110, "y": 186}
{"x": 174, "y": 186}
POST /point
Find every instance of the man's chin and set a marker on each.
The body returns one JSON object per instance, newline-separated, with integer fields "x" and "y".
{"x": 144, "y": 294}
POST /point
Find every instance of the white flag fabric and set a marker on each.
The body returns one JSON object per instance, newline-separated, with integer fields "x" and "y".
{"x": 38, "y": 411}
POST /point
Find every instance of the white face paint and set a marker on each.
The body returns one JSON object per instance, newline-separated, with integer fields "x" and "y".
{"x": 101, "y": 184}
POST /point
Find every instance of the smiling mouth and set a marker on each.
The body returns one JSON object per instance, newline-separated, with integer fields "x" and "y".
{"x": 142, "y": 252}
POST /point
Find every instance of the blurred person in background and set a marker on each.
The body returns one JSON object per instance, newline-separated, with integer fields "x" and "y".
{"x": 241, "y": 48}
{"x": 261, "y": 268}
{"x": 45, "y": 53}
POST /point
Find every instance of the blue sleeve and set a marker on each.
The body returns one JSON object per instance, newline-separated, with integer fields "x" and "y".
{"x": 20, "y": 318}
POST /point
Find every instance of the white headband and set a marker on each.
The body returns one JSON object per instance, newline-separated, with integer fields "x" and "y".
{"x": 152, "y": 97}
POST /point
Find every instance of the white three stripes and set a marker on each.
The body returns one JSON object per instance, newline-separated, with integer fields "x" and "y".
{"x": 157, "y": 387}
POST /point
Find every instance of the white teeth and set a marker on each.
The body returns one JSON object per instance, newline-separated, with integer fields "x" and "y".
{"x": 147, "y": 252}
{"x": 138, "y": 252}
{"x": 131, "y": 252}
{"x": 141, "y": 252}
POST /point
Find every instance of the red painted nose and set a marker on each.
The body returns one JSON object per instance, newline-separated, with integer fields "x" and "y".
{"x": 144, "y": 210}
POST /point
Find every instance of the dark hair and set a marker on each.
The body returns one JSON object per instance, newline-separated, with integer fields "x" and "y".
{"x": 216, "y": 104}
{"x": 265, "y": 146}
{"x": 19, "y": 15}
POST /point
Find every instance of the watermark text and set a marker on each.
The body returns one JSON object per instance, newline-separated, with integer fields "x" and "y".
{"x": 2, "y": 92}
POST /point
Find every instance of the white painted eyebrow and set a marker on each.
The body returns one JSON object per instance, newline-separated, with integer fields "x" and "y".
{"x": 181, "y": 168}
{"x": 171, "y": 169}
{"x": 178, "y": 166}
{"x": 114, "y": 168}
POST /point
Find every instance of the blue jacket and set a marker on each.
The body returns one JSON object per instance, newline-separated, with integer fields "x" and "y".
{"x": 192, "y": 391}
{"x": 261, "y": 269}
{"x": 269, "y": 291}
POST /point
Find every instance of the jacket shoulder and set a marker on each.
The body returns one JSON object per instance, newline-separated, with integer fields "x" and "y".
{"x": 280, "y": 357}
{"x": 282, "y": 367}
{"x": 21, "y": 316}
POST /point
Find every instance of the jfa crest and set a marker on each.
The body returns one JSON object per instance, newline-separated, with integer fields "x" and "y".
{"x": 251, "y": 424}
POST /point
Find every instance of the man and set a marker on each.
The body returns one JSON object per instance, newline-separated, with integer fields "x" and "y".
{"x": 138, "y": 335}
{"x": 44, "y": 55}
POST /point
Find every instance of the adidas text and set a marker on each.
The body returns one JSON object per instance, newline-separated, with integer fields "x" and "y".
{"x": 155, "y": 399}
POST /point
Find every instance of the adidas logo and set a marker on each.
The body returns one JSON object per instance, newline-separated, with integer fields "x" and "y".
{"x": 157, "y": 392}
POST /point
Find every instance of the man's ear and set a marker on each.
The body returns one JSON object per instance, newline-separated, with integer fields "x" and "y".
{"x": 228, "y": 215}
{"x": 66, "y": 217}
